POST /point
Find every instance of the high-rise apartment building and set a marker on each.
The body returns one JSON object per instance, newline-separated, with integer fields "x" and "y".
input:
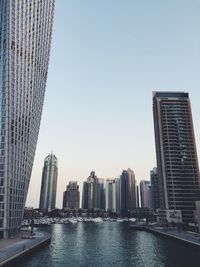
{"x": 49, "y": 183}
{"x": 93, "y": 192}
{"x": 145, "y": 194}
{"x": 178, "y": 171}
{"x": 25, "y": 38}
{"x": 117, "y": 185}
{"x": 85, "y": 196}
{"x": 111, "y": 195}
{"x": 127, "y": 192}
{"x": 154, "y": 189}
{"x": 137, "y": 197}
{"x": 71, "y": 197}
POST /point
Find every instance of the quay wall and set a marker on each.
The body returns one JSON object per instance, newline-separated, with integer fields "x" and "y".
{"x": 12, "y": 255}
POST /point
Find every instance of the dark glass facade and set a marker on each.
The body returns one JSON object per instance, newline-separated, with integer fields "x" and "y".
{"x": 177, "y": 163}
{"x": 128, "y": 193}
{"x": 71, "y": 197}
{"x": 93, "y": 193}
{"x": 154, "y": 189}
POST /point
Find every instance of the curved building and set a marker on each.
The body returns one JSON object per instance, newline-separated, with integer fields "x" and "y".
{"x": 25, "y": 38}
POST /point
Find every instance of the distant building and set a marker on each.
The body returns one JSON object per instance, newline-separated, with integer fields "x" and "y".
{"x": 127, "y": 192}
{"x": 111, "y": 195}
{"x": 145, "y": 194}
{"x": 177, "y": 163}
{"x": 49, "y": 183}
{"x": 85, "y": 196}
{"x": 154, "y": 189}
{"x": 93, "y": 193}
{"x": 101, "y": 194}
{"x": 118, "y": 192}
{"x": 137, "y": 197}
{"x": 71, "y": 197}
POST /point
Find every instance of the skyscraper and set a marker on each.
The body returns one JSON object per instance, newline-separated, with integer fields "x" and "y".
{"x": 111, "y": 195}
{"x": 85, "y": 196}
{"x": 117, "y": 185}
{"x": 178, "y": 171}
{"x": 137, "y": 197}
{"x": 71, "y": 197}
{"x": 128, "y": 191}
{"x": 154, "y": 189}
{"x": 49, "y": 183}
{"x": 145, "y": 194}
{"x": 93, "y": 192}
{"x": 25, "y": 38}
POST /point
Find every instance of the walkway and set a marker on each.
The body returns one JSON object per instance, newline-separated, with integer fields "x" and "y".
{"x": 13, "y": 248}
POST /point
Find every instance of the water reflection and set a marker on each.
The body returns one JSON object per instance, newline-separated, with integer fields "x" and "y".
{"x": 111, "y": 244}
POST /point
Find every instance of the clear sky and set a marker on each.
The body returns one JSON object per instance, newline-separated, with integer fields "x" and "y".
{"x": 106, "y": 59}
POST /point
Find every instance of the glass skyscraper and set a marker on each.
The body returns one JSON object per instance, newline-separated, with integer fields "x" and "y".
{"x": 49, "y": 183}
{"x": 71, "y": 197}
{"x": 93, "y": 192}
{"x": 25, "y": 38}
{"x": 177, "y": 163}
{"x": 127, "y": 192}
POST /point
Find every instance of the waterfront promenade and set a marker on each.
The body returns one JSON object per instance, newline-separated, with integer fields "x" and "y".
{"x": 189, "y": 238}
{"x": 21, "y": 245}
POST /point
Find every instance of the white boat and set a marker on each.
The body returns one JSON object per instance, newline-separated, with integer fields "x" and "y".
{"x": 73, "y": 221}
{"x": 97, "y": 220}
{"x": 120, "y": 220}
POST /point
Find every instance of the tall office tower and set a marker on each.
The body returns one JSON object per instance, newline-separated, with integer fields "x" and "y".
{"x": 178, "y": 171}
{"x": 100, "y": 194}
{"x": 85, "y": 196}
{"x": 49, "y": 183}
{"x": 128, "y": 191}
{"x": 137, "y": 197}
{"x": 117, "y": 184}
{"x": 92, "y": 181}
{"x": 154, "y": 189}
{"x": 71, "y": 197}
{"x": 93, "y": 193}
{"x": 25, "y": 38}
{"x": 111, "y": 195}
{"x": 145, "y": 194}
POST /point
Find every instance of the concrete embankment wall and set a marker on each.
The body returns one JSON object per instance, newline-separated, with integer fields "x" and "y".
{"x": 167, "y": 235}
{"x": 11, "y": 259}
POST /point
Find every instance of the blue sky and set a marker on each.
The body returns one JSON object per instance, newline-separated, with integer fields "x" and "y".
{"x": 106, "y": 59}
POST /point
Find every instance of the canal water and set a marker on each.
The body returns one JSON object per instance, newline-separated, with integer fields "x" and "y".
{"x": 110, "y": 244}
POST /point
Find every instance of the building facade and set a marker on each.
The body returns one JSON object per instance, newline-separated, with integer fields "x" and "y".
{"x": 93, "y": 193}
{"x": 137, "y": 197}
{"x": 178, "y": 171}
{"x": 71, "y": 197}
{"x": 127, "y": 192}
{"x": 145, "y": 194}
{"x": 85, "y": 196}
{"x": 111, "y": 195}
{"x": 25, "y": 38}
{"x": 154, "y": 189}
{"x": 49, "y": 183}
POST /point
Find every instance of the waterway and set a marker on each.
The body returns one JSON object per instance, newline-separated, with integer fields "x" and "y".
{"x": 110, "y": 244}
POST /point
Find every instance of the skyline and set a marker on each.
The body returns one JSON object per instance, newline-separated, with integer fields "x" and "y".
{"x": 137, "y": 48}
